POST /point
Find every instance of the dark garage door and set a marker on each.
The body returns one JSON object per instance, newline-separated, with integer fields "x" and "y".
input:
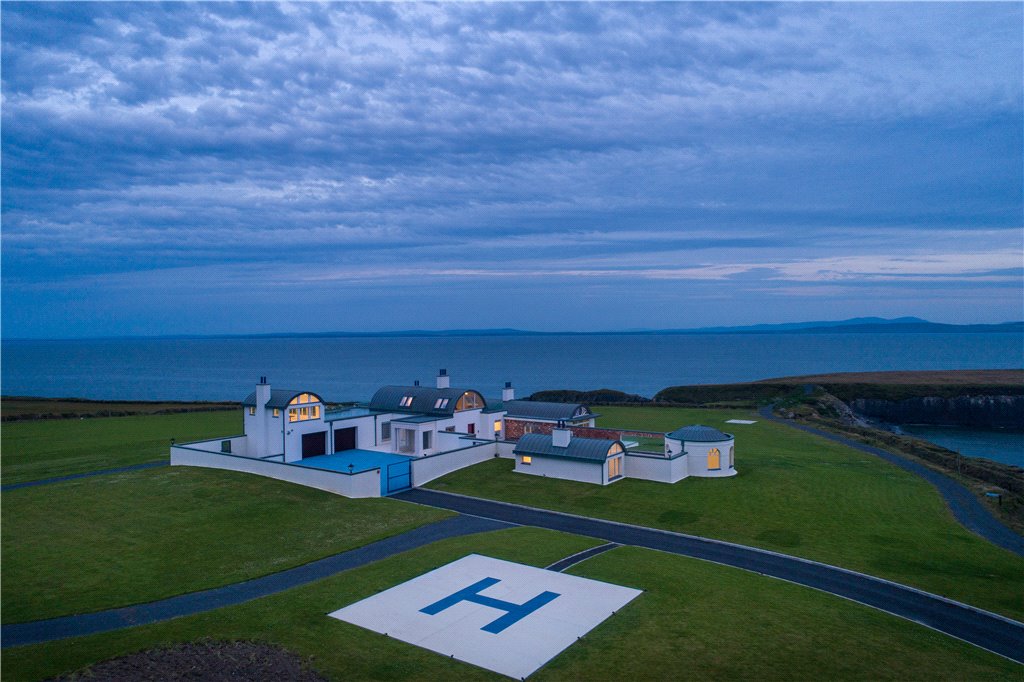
{"x": 314, "y": 444}
{"x": 344, "y": 439}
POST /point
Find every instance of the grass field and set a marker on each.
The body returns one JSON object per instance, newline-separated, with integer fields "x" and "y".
{"x": 795, "y": 493}
{"x": 17, "y": 407}
{"x": 695, "y": 620}
{"x": 128, "y": 538}
{"x": 40, "y": 449}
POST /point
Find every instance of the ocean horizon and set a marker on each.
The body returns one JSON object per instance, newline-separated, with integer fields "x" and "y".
{"x": 352, "y": 368}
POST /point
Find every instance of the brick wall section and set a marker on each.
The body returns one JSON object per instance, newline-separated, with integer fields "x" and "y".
{"x": 515, "y": 428}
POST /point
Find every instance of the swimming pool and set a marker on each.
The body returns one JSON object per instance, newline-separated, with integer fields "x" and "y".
{"x": 394, "y": 469}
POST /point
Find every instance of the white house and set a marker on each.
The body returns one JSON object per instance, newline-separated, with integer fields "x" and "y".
{"x": 561, "y": 455}
{"x": 408, "y": 435}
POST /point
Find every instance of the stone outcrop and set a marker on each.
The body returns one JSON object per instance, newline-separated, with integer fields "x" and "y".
{"x": 985, "y": 411}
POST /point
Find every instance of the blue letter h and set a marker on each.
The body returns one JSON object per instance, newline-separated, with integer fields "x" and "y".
{"x": 513, "y": 612}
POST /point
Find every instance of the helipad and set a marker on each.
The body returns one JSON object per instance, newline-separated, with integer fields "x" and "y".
{"x": 496, "y": 614}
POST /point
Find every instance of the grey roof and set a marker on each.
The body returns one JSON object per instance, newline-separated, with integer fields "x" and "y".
{"x": 279, "y": 397}
{"x": 591, "y": 449}
{"x": 698, "y": 433}
{"x": 389, "y": 399}
{"x": 532, "y": 409}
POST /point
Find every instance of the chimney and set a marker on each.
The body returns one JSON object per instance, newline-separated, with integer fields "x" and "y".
{"x": 442, "y": 379}
{"x": 508, "y": 393}
{"x": 416, "y": 383}
{"x": 262, "y": 394}
{"x": 560, "y": 436}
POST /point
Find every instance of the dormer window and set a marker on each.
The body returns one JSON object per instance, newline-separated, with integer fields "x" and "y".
{"x": 406, "y": 401}
{"x": 440, "y": 403}
{"x": 470, "y": 400}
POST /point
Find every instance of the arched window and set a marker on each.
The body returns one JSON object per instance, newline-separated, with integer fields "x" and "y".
{"x": 615, "y": 449}
{"x": 714, "y": 459}
{"x": 470, "y": 400}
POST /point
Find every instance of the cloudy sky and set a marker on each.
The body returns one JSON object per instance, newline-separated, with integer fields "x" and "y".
{"x": 232, "y": 168}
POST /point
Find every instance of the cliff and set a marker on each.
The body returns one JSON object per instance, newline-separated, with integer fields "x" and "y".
{"x": 984, "y": 411}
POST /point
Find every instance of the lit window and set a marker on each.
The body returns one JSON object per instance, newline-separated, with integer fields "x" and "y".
{"x": 614, "y": 449}
{"x": 714, "y": 459}
{"x": 314, "y": 412}
{"x": 470, "y": 400}
{"x": 527, "y": 459}
{"x": 252, "y": 411}
{"x": 293, "y": 415}
{"x": 304, "y": 398}
{"x": 385, "y": 431}
{"x": 303, "y": 413}
{"x": 277, "y": 412}
{"x": 497, "y": 427}
{"x": 614, "y": 467}
{"x": 426, "y": 439}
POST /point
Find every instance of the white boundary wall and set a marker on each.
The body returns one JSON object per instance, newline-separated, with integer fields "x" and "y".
{"x": 426, "y": 469}
{"x": 652, "y": 468}
{"x": 363, "y": 484}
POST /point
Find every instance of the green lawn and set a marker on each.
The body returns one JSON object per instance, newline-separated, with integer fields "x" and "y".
{"x": 694, "y": 620}
{"x": 97, "y": 543}
{"x": 56, "y": 447}
{"x": 795, "y": 493}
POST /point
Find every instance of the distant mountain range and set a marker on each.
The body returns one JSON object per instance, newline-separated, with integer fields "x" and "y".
{"x": 856, "y": 325}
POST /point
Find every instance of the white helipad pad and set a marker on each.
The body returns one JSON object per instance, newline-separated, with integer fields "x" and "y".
{"x": 496, "y": 614}
{"x": 739, "y": 421}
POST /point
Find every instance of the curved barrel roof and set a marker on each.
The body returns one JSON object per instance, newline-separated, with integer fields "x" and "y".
{"x": 592, "y": 449}
{"x": 698, "y": 433}
{"x": 532, "y": 409}
{"x": 279, "y": 397}
{"x": 389, "y": 399}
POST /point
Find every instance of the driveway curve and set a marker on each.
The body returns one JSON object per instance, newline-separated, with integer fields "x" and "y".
{"x": 966, "y": 508}
{"x": 35, "y": 632}
{"x": 989, "y": 631}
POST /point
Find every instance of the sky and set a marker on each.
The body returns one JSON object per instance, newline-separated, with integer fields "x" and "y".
{"x": 218, "y": 168}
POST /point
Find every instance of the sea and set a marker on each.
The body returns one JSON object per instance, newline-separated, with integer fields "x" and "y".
{"x": 352, "y": 368}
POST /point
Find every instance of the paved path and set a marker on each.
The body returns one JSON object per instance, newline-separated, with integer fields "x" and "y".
{"x": 986, "y": 630}
{"x": 965, "y": 506}
{"x": 18, "y": 634}
{"x": 578, "y": 557}
{"x": 87, "y": 474}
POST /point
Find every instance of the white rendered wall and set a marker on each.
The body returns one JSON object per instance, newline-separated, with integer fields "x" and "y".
{"x": 569, "y": 469}
{"x": 239, "y": 445}
{"x": 505, "y": 449}
{"x": 426, "y": 469}
{"x": 295, "y": 430}
{"x": 659, "y": 469}
{"x": 364, "y": 432}
{"x": 363, "y": 484}
{"x": 697, "y": 453}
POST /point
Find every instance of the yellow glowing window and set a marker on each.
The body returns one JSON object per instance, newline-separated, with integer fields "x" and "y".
{"x": 252, "y": 411}
{"x": 277, "y": 412}
{"x": 470, "y": 400}
{"x": 615, "y": 449}
{"x": 314, "y": 412}
{"x": 293, "y": 415}
{"x": 714, "y": 459}
{"x": 497, "y": 427}
{"x": 527, "y": 459}
{"x": 304, "y": 398}
{"x": 303, "y": 413}
{"x": 614, "y": 467}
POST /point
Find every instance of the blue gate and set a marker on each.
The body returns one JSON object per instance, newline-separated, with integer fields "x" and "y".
{"x": 398, "y": 477}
